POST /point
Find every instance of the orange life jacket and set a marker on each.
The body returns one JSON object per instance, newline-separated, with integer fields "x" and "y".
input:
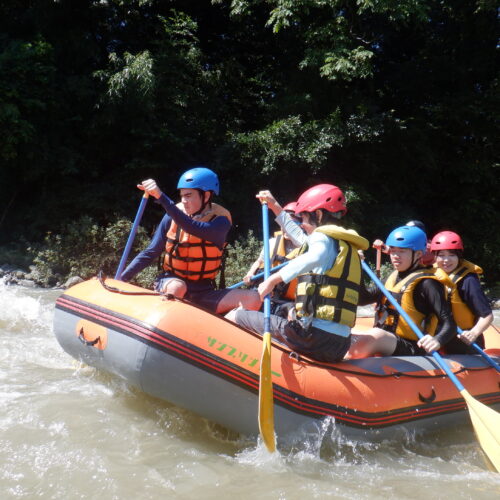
{"x": 278, "y": 255}
{"x": 190, "y": 257}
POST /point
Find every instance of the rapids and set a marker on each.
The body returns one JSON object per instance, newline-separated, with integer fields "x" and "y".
{"x": 69, "y": 431}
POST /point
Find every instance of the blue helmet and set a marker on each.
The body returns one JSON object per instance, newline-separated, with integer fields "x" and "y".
{"x": 407, "y": 237}
{"x": 199, "y": 178}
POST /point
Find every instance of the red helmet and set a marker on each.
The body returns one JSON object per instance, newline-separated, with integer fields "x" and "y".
{"x": 290, "y": 207}
{"x": 325, "y": 196}
{"x": 446, "y": 240}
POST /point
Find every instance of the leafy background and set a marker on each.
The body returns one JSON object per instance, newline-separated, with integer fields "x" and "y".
{"x": 395, "y": 101}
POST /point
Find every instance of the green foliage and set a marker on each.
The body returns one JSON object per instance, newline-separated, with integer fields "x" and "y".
{"x": 347, "y": 64}
{"x": 393, "y": 100}
{"x": 289, "y": 142}
{"x": 15, "y": 254}
{"x": 240, "y": 256}
{"x": 26, "y": 72}
{"x": 83, "y": 249}
{"x": 133, "y": 75}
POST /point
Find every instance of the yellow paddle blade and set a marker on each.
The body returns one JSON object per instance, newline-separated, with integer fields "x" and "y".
{"x": 486, "y": 422}
{"x": 266, "y": 409}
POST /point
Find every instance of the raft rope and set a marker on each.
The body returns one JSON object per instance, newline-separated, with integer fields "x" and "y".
{"x": 395, "y": 374}
{"x": 102, "y": 279}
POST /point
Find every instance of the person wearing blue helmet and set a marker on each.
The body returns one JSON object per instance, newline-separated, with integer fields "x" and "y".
{"x": 193, "y": 236}
{"x": 421, "y": 292}
{"x": 427, "y": 258}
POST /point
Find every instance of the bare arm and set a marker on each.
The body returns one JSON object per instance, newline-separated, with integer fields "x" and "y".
{"x": 469, "y": 336}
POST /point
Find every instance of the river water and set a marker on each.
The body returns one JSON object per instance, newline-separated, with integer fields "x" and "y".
{"x": 68, "y": 431}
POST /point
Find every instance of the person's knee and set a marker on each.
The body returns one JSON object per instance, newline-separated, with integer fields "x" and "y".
{"x": 382, "y": 342}
{"x": 251, "y": 300}
{"x": 361, "y": 347}
{"x": 177, "y": 288}
{"x": 378, "y": 333}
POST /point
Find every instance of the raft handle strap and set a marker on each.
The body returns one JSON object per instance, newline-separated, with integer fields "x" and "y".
{"x": 428, "y": 399}
{"x": 89, "y": 343}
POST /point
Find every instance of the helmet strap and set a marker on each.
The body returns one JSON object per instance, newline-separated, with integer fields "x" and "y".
{"x": 204, "y": 203}
{"x": 415, "y": 262}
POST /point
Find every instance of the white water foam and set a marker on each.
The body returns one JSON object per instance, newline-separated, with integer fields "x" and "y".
{"x": 19, "y": 310}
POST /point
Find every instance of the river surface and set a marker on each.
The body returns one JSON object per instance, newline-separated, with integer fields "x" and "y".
{"x": 68, "y": 431}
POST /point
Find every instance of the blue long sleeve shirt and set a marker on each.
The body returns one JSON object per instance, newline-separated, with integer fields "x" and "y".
{"x": 214, "y": 231}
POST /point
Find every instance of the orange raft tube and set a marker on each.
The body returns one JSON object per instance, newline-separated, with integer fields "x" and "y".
{"x": 176, "y": 351}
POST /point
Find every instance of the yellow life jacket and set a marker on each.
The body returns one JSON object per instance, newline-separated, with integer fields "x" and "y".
{"x": 333, "y": 296}
{"x": 388, "y": 318}
{"x": 190, "y": 257}
{"x": 462, "y": 314}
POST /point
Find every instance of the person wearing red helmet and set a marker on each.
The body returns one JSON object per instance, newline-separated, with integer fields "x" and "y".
{"x": 281, "y": 248}
{"x": 471, "y": 309}
{"x": 328, "y": 270}
{"x": 192, "y": 235}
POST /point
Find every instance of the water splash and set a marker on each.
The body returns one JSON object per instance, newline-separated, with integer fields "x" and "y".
{"x": 23, "y": 308}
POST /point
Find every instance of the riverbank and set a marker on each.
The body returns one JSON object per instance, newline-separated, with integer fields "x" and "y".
{"x": 12, "y": 275}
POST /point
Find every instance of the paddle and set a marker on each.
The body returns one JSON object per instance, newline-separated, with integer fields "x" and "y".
{"x": 131, "y": 236}
{"x": 486, "y": 421}
{"x": 379, "y": 261}
{"x": 257, "y": 276}
{"x": 490, "y": 360}
{"x": 266, "y": 404}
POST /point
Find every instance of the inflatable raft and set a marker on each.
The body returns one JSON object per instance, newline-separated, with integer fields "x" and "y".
{"x": 176, "y": 351}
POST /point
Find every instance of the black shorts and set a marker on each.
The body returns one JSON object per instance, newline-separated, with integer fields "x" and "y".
{"x": 313, "y": 342}
{"x": 456, "y": 346}
{"x": 405, "y": 347}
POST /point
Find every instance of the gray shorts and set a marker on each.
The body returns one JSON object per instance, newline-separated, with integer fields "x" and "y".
{"x": 313, "y": 342}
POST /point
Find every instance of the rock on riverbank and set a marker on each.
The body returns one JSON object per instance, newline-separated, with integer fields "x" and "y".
{"x": 12, "y": 275}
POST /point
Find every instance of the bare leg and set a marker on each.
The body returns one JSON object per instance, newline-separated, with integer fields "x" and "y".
{"x": 374, "y": 341}
{"x": 247, "y": 299}
{"x": 231, "y": 315}
{"x": 175, "y": 287}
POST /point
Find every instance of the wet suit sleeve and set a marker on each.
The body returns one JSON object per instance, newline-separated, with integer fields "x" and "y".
{"x": 151, "y": 253}
{"x": 471, "y": 293}
{"x": 214, "y": 231}
{"x": 429, "y": 299}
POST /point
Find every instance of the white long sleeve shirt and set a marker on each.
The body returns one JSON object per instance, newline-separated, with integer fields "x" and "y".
{"x": 319, "y": 258}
